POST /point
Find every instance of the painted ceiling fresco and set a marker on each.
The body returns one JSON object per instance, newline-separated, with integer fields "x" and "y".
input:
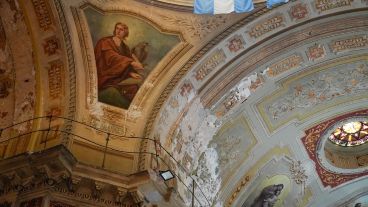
{"x": 143, "y": 44}
{"x": 331, "y": 84}
{"x": 240, "y": 103}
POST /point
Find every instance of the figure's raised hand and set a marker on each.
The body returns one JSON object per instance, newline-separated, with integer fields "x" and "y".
{"x": 137, "y": 65}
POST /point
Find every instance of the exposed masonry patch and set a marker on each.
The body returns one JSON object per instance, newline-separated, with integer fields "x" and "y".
{"x": 196, "y": 131}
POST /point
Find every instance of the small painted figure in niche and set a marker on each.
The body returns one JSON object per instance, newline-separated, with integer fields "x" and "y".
{"x": 119, "y": 70}
{"x": 268, "y": 196}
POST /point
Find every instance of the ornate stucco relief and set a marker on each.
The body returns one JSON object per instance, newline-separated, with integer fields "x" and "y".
{"x": 197, "y": 27}
{"x": 56, "y": 79}
{"x": 299, "y": 11}
{"x": 177, "y": 110}
{"x": 298, "y": 172}
{"x": 51, "y": 46}
{"x": 267, "y": 26}
{"x": 43, "y": 13}
{"x": 286, "y": 64}
{"x": 212, "y": 61}
{"x": 316, "y": 52}
{"x": 323, "y": 5}
{"x": 255, "y": 60}
{"x": 236, "y": 43}
{"x": 329, "y": 84}
{"x": 343, "y": 45}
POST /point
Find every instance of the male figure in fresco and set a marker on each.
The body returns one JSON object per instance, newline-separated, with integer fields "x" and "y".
{"x": 118, "y": 70}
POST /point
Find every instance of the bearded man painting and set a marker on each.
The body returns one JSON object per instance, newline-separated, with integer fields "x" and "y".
{"x": 118, "y": 70}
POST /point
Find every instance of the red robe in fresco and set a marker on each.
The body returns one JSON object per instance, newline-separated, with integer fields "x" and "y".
{"x": 113, "y": 66}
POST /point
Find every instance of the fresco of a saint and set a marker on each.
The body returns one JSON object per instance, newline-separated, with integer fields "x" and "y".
{"x": 126, "y": 50}
{"x": 119, "y": 71}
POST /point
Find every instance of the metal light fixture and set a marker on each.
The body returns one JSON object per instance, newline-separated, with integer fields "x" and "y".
{"x": 166, "y": 175}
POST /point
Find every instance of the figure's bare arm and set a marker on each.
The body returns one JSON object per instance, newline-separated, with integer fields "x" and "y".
{"x": 135, "y": 58}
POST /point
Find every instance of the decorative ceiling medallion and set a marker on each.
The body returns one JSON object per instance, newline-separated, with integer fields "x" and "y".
{"x": 314, "y": 136}
{"x": 350, "y": 134}
{"x": 298, "y": 11}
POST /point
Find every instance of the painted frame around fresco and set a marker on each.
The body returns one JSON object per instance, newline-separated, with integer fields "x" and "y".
{"x": 112, "y": 113}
